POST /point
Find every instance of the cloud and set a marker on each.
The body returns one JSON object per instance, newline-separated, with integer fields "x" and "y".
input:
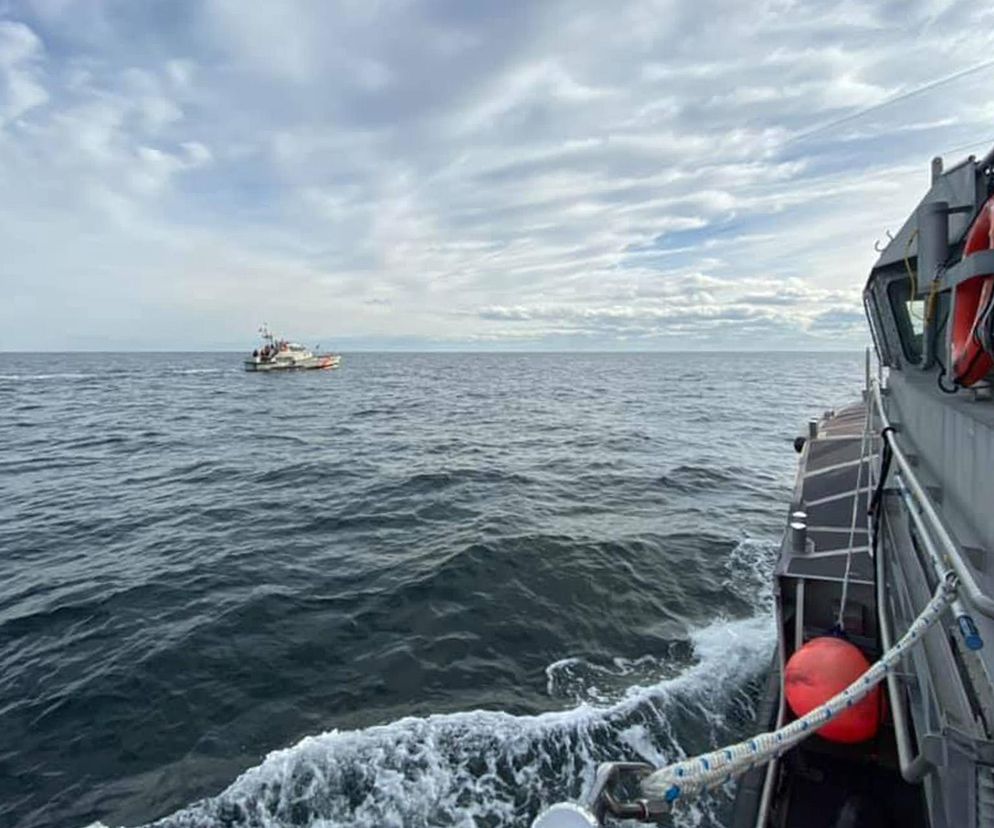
{"x": 21, "y": 86}
{"x": 838, "y": 319}
{"x": 644, "y": 174}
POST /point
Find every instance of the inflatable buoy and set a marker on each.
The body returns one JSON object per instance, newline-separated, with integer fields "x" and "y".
{"x": 971, "y": 362}
{"x": 822, "y": 668}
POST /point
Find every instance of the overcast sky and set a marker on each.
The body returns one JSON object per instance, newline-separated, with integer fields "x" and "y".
{"x": 369, "y": 174}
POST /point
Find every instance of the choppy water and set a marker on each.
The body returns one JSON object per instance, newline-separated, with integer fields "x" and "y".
{"x": 435, "y": 589}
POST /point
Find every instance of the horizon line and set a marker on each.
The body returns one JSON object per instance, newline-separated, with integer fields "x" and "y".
{"x": 463, "y": 351}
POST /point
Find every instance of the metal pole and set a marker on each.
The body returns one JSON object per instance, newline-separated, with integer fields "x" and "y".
{"x": 913, "y": 768}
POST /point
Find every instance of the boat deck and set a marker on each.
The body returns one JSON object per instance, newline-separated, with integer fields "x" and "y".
{"x": 833, "y": 476}
{"x": 821, "y": 783}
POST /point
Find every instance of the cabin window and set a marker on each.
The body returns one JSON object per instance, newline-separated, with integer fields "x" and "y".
{"x": 909, "y": 314}
{"x": 873, "y": 317}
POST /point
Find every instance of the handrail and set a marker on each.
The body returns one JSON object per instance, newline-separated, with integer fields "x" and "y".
{"x": 971, "y": 636}
{"x": 913, "y": 768}
{"x": 968, "y": 584}
{"x": 771, "y": 769}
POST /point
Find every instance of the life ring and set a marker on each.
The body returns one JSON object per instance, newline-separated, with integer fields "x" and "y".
{"x": 971, "y": 362}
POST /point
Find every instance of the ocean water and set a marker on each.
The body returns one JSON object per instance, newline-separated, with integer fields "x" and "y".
{"x": 423, "y": 590}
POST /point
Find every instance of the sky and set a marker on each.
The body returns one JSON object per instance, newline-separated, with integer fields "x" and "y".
{"x": 468, "y": 175}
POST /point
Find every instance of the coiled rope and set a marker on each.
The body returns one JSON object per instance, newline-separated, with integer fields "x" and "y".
{"x": 711, "y": 770}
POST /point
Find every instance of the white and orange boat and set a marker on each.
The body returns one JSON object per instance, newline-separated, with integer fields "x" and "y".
{"x": 277, "y": 354}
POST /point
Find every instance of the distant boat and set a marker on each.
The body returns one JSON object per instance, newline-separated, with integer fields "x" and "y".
{"x": 278, "y": 354}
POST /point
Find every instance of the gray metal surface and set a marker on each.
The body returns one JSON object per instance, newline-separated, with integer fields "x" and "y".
{"x": 958, "y": 188}
{"x": 985, "y": 786}
{"x": 825, "y": 492}
{"x": 952, "y": 438}
{"x": 827, "y": 453}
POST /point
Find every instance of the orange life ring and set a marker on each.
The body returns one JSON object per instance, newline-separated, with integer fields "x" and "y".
{"x": 971, "y": 363}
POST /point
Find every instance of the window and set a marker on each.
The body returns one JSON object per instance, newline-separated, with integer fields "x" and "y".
{"x": 873, "y": 317}
{"x": 909, "y": 314}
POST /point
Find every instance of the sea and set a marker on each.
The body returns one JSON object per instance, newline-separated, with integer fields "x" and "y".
{"x": 424, "y": 589}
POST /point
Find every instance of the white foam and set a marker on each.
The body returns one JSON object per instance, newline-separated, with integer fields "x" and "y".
{"x": 492, "y": 768}
{"x": 487, "y": 767}
{"x": 200, "y": 371}
{"x": 580, "y": 680}
{"x": 44, "y": 376}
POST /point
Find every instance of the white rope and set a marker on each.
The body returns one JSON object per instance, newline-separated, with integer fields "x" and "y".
{"x": 710, "y": 770}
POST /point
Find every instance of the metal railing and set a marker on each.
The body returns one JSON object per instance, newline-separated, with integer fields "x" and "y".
{"x": 945, "y": 556}
{"x": 936, "y": 535}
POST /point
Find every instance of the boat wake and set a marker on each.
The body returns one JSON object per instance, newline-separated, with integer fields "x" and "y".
{"x": 496, "y": 769}
{"x": 35, "y": 377}
{"x": 194, "y": 371}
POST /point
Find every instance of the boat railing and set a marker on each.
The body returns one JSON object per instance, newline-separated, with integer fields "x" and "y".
{"x": 930, "y": 524}
{"x": 945, "y": 556}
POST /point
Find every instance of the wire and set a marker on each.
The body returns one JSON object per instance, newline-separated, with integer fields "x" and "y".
{"x": 933, "y": 296}
{"x": 933, "y": 293}
{"x": 913, "y": 277}
{"x": 926, "y": 87}
{"x": 984, "y": 317}
{"x": 984, "y": 329}
{"x": 962, "y": 147}
{"x": 907, "y": 265}
{"x": 945, "y": 389}
{"x": 885, "y": 459}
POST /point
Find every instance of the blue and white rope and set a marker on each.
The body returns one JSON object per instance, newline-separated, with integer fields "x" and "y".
{"x": 710, "y": 770}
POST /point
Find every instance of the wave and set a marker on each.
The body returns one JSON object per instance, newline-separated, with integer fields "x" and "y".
{"x": 583, "y": 680}
{"x": 420, "y": 483}
{"x": 200, "y": 370}
{"x": 487, "y": 767}
{"x": 112, "y": 372}
{"x": 691, "y": 479}
{"x": 46, "y": 376}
